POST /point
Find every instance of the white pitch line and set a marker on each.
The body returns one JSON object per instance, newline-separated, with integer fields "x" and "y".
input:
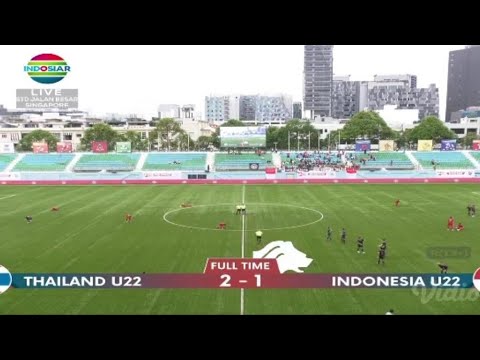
{"x": 242, "y": 290}
{"x": 243, "y": 223}
{"x": 8, "y": 196}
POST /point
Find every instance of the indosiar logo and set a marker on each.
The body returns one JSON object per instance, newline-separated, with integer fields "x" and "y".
{"x": 47, "y": 68}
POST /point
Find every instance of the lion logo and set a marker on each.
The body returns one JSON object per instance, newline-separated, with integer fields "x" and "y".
{"x": 288, "y": 257}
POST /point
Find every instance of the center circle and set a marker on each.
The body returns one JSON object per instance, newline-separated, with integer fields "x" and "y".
{"x": 259, "y": 216}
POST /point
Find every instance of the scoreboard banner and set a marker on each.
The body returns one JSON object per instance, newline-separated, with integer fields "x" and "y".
{"x": 243, "y": 137}
{"x": 238, "y": 273}
{"x": 278, "y": 265}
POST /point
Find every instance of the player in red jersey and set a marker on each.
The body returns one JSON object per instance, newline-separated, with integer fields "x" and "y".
{"x": 128, "y": 217}
{"x": 222, "y": 226}
{"x": 451, "y": 223}
{"x": 397, "y": 203}
{"x": 460, "y": 227}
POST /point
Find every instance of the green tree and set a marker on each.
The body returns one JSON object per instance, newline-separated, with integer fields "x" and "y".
{"x": 136, "y": 139}
{"x": 402, "y": 138}
{"x": 467, "y": 140}
{"x": 431, "y": 128}
{"x": 39, "y": 136}
{"x": 100, "y": 132}
{"x": 203, "y": 142}
{"x": 299, "y": 132}
{"x": 367, "y": 125}
{"x": 333, "y": 137}
{"x": 166, "y": 130}
{"x": 183, "y": 141}
{"x": 272, "y": 137}
{"x": 233, "y": 123}
{"x": 215, "y": 138}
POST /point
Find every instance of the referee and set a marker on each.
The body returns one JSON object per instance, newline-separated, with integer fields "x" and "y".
{"x": 259, "y": 234}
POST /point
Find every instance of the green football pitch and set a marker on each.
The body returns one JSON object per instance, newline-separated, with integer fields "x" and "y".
{"x": 89, "y": 235}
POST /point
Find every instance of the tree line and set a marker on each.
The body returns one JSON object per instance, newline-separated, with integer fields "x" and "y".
{"x": 300, "y": 134}
{"x": 167, "y": 135}
{"x": 296, "y": 134}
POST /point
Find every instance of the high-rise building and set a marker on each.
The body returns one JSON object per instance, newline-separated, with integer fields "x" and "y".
{"x": 398, "y": 90}
{"x": 345, "y": 97}
{"x": 463, "y": 89}
{"x": 248, "y": 107}
{"x": 318, "y": 80}
{"x": 408, "y": 80}
{"x": 297, "y": 110}
{"x": 222, "y": 108}
{"x": 259, "y": 108}
{"x": 277, "y": 108}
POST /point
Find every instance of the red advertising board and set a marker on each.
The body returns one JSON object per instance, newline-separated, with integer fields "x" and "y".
{"x": 99, "y": 146}
{"x": 476, "y": 145}
{"x": 40, "y": 148}
{"x": 64, "y": 147}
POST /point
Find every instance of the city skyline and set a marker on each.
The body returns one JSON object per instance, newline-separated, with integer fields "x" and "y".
{"x": 136, "y": 79}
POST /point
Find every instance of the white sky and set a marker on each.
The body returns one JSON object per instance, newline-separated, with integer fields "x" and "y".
{"x": 136, "y": 79}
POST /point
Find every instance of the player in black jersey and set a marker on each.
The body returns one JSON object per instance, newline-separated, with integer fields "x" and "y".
{"x": 360, "y": 244}
{"x": 443, "y": 268}
{"x": 383, "y": 245}
{"x": 381, "y": 256}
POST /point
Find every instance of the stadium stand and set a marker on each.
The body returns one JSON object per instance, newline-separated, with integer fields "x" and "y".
{"x": 229, "y": 162}
{"x": 387, "y": 160}
{"x": 6, "y": 159}
{"x": 175, "y": 161}
{"x": 443, "y": 160}
{"x": 44, "y": 162}
{"x": 324, "y": 157}
{"x": 107, "y": 162}
{"x": 476, "y": 155}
